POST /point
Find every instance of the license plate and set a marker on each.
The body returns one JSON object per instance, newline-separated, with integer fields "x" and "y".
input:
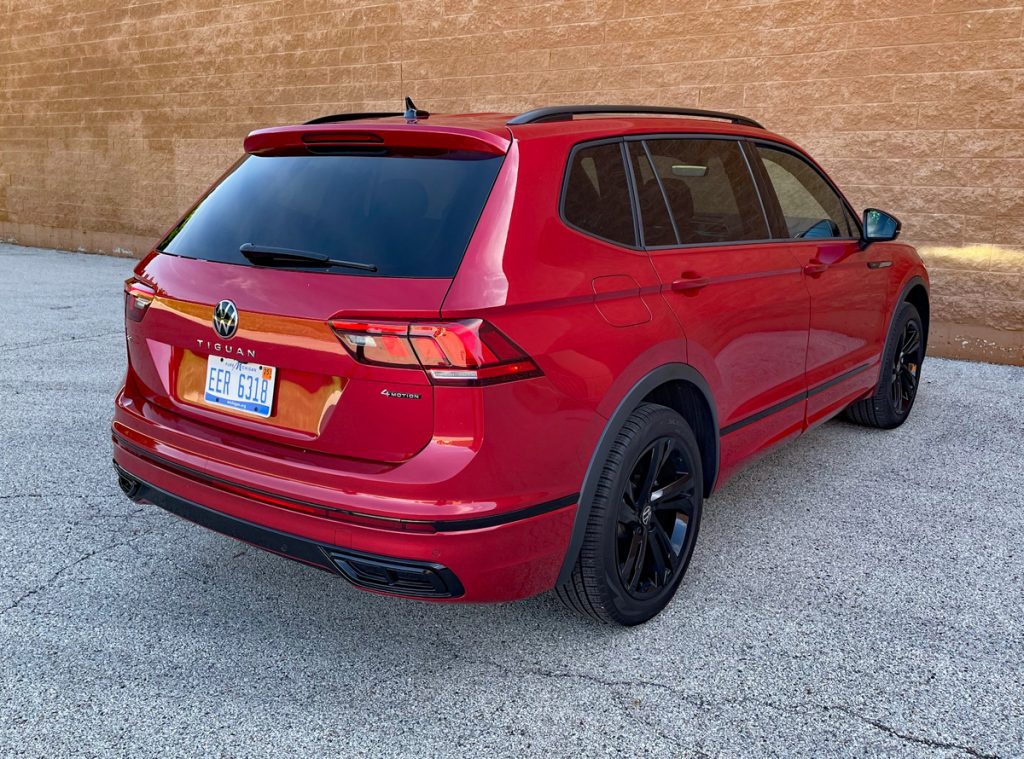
{"x": 233, "y": 384}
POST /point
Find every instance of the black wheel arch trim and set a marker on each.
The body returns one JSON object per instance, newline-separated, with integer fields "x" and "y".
{"x": 632, "y": 399}
{"x": 910, "y": 284}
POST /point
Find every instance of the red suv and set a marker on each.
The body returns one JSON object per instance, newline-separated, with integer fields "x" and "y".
{"x": 478, "y": 357}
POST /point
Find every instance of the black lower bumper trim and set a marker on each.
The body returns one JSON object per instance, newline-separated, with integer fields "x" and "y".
{"x": 384, "y": 574}
{"x": 407, "y": 578}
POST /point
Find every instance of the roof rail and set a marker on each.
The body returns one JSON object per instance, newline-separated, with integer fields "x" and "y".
{"x": 566, "y": 112}
{"x": 411, "y": 112}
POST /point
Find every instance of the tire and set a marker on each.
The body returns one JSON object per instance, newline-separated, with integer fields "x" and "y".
{"x": 641, "y": 531}
{"x": 890, "y": 404}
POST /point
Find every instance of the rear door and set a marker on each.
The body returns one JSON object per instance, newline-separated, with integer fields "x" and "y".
{"x": 406, "y": 213}
{"x": 847, "y": 324}
{"x": 739, "y": 296}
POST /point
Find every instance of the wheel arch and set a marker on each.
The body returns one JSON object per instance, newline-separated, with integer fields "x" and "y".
{"x": 677, "y": 386}
{"x": 915, "y": 292}
{"x": 692, "y": 403}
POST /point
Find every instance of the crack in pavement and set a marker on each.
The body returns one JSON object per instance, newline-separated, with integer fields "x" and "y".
{"x": 627, "y": 712}
{"x": 140, "y": 514}
{"x": 918, "y": 739}
{"x": 46, "y": 343}
{"x": 699, "y": 701}
{"x": 60, "y": 495}
{"x": 62, "y": 570}
{"x": 691, "y": 751}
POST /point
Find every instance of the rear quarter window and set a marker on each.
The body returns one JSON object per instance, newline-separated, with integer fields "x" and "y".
{"x": 409, "y": 214}
{"x": 596, "y": 197}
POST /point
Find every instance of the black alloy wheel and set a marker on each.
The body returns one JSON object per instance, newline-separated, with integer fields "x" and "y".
{"x": 906, "y": 368}
{"x": 643, "y": 520}
{"x": 657, "y": 508}
{"x": 890, "y": 403}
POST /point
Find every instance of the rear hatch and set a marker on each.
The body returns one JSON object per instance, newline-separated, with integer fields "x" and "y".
{"x": 237, "y": 323}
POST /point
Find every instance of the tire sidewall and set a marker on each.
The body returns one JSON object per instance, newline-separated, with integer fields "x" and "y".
{"x": 632, "y": 610}
{"x": 904, "y": 315}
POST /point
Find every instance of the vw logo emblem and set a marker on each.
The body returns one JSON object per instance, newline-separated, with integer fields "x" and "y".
{"x": 225, "y": 319}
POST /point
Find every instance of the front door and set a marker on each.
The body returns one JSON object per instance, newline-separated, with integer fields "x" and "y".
{"x": 739, "y": 297}
{"x": 847, "y": 289}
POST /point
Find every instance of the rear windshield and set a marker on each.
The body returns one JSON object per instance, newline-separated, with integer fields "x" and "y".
{"x": 410, "y": 215}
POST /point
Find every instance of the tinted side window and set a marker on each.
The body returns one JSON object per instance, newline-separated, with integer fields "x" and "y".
{"x": 810, "y": 207}
{"x": 710, "y": 190}
{"x": 597, "y": 194}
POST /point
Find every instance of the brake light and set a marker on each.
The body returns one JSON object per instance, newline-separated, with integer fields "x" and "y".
{"x": 137, "y": 297}
{"x": 340, "y": 138}
{"x": 470, "y": 352}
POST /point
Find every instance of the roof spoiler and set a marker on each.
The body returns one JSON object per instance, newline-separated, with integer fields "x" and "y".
{"x": 333, "y": 138}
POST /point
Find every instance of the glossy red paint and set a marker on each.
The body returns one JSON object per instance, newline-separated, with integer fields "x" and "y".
{"x": 765, "y": 324}
{"x": 746, "y": 333}
{"x": 517, "y": 560}
{"x": 297, "y": 139}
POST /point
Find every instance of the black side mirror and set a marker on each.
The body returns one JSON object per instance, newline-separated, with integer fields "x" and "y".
{"x": 880, "y": 226}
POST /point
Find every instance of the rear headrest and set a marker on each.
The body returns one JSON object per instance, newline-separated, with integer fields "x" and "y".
{"x": 581, "y": 184}
{"x": 679, "y": 198}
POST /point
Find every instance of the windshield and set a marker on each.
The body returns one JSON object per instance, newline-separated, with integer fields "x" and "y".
{"x": 407, "y": 214}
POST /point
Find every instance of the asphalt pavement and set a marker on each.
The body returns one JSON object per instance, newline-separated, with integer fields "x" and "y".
{"x": 855, "y": 593}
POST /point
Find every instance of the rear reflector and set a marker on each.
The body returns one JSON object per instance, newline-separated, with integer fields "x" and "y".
{"x": 382, "y": 523}
{"x": 470, "y": 352}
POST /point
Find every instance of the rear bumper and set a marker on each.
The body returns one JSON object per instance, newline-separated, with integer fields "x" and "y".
{"x": 516, "y": 558}
{"x": 385, "y": 574}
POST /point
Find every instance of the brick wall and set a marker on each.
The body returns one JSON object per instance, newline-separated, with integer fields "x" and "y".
{"x": 113, "y": 116}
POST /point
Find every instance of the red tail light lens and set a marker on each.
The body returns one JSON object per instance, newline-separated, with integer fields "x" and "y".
{"x": 137, "y": 297}
{"x": 470, "y": 352}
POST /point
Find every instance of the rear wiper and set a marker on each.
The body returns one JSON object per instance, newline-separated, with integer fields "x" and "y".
{"x": 267, "y": 256}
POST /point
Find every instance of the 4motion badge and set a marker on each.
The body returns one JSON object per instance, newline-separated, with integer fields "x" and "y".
{"x": 393, "y": 394}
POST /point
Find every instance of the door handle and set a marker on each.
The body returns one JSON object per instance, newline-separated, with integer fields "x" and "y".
{"x": 688, "y": 283}
{"x": 814, "y": 269}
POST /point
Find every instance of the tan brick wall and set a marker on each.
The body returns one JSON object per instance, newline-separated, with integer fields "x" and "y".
{"x": 113, "y": 116}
